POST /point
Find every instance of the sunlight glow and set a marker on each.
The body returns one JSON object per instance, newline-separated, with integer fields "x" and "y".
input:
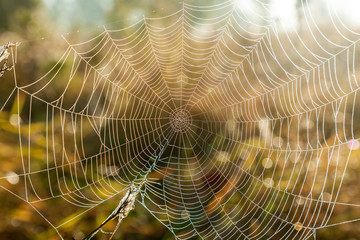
{"x": 346, "y": 9}
{"x": 285, "y": 12}
{"x": 246, "y": 6}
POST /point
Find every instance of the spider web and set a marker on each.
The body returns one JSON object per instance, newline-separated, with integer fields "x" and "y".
{"x": 232, "y": 106}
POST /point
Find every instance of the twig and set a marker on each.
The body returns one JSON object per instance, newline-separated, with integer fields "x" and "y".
{"x": 4, "y": 56}
{"x": 126, "y": 204}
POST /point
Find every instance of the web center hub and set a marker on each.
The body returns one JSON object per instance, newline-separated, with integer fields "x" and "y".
{"x": 180, "y": 120}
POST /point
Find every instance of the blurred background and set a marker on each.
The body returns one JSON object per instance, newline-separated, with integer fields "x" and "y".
{"x": 39, "y": 26}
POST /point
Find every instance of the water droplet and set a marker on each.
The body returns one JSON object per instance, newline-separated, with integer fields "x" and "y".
{"x": 185, "y": 215}
{"x": 15, "y": 120}
{"x": 353, "y": 144}
{"x": 12, "y": 178}
{"x": 307, "y": 124}
{"x": 300, "y": 201}
{"x": 231, "y": 125}
{"x": 223, "y": 157}
{"x": 277, "y": 142}
{"x": 268, "y": 182}
{"x": 298, "y": 226}
{"x": 267, "y": 163}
